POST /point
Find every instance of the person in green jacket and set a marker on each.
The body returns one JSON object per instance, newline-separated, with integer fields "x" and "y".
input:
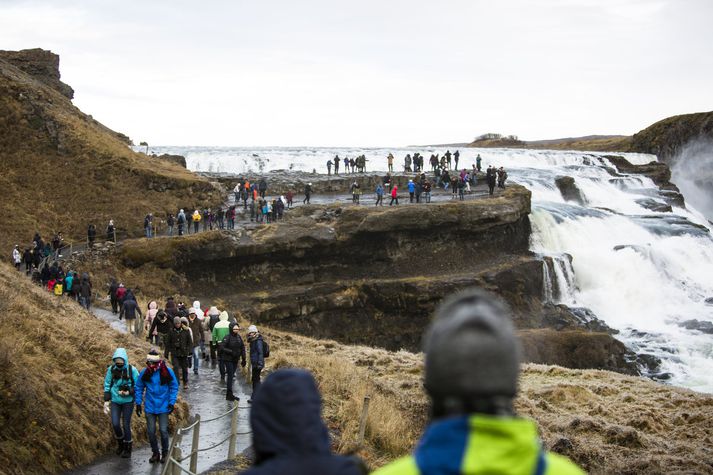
{"x": 472, "y": 366}
{"x": 119, "y": 384}
{"x": 220, "y": 331}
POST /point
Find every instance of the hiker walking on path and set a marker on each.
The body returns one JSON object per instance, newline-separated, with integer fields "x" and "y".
{"x": 219, "y": 332}
{"x": 257, "y": 355}
{"x": 197, "y": 334}
{"x": 129, "y": 310}
{"x": 160, "y": 327}
{"x": 471, "y": 372}
{"x": 289, "y": 436}
{"x": 394, "y": 195}
{"x": 308, "y": 193}
{"x": 379, "y": 195}
{"x": 179, "y": 345}
{"x": 490, "y": 178}
{"x": 119, "y": 387}
{"x": 196, "y": 220}
{"x": 233, "y": 353}
{"x": 85, "y": 291}
{"x": 208, "y": 324}
{"x": 157, "y": 389}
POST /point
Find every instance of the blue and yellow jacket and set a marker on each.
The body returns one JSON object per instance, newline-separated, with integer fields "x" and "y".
{"x": 480, "y": 444}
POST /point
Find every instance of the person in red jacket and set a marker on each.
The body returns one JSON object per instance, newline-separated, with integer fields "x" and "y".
{"x": 394, "y": 195}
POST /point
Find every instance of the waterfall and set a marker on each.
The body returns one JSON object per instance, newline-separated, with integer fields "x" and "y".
{"x": 546, "y": 282}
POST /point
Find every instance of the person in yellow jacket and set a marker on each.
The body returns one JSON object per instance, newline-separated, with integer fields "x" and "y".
{"x": 472, "y": 367}
{"x": 196, "y": 217}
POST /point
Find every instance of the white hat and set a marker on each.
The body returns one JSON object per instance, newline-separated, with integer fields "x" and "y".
{"x": 214, "y": 311}
{"x": 252, "y": 329}
{"x": 192, "y": 311}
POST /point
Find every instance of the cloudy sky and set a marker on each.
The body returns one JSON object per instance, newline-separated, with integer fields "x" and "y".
{"x": 372, "y": 72}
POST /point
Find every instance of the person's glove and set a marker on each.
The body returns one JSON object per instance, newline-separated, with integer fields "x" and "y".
{"x": 170, "y": 408}
{"x": 107, "y": 407}
{"x": 139, "y": 410}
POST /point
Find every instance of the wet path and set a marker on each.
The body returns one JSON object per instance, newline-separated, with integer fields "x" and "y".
{"x": 205, "y": 396}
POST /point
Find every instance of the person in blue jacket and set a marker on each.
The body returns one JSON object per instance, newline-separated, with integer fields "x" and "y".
{"x": 288, "y": 433}
{"x": 119, "y": 386}
{"x": 411, "y": 190}
{"x": 160, "y": 386}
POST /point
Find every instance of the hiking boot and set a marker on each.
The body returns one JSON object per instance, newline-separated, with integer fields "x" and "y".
{"x": 164, "y": 457}
{"x": 120, "y": 448}
{"x": 127, "y": 450}
{"x": 229, "y": 395}
{"x": 155, "y": 458}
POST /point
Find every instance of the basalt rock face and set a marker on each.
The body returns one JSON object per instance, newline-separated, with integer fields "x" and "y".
{"x": 42, "y": 65}
{"x": 364, "y": 275}
{"x": 569, "y": 189}
{"x": 660, "y": 174}
{"x": 177, "y": 159}
{"x": 667, "y": 137}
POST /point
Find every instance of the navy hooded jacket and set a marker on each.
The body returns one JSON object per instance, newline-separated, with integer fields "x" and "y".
{"x": 288, "y": 433}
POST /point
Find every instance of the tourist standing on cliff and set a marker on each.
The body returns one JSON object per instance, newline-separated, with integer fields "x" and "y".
{"x": 290, "y": 196}
{"x": 394, "y": 195}
{"x": 356, "y": 192}
{"x": 179, "y": 345}
{"x": 329, "y": 167}
{"x": 119, "y": 388}
{"x": 379, "y": 195}
{"x": 390, "y": 162}
{"x": 427, "y": 191}
{"x": 196, "y": 218}
{"x": 478, "y": 161}
{"x": 308, "y": 193}
{"x": 471, "y": 372}
{"x": 502, "y": 176}
{"x": 456, "y": 157}
{"x": 257, "y": 356}
{"x": 336, "y": 164}
{"x": 157, "y": 389}
{"x": 490, "y": 178}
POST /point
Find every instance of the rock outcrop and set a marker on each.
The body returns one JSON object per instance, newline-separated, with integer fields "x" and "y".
{"x": 659, "y": 173}
{"x": 42, "y": 65}
{"x": 569, "y": 190}
{"x": 374, "y": 276}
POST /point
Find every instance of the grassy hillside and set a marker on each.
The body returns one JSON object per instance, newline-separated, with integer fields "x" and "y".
{"x": 591, "y": 143}
{"x": 62, "y": 170}
{"x": 666, "y": 137}
{"x": 54, "y": 357}
{"x": 606, "y": 422}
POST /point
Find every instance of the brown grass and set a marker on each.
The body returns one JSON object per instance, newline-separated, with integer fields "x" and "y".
{"x": 54, "y": 357}
{"x": 605, "y": 422}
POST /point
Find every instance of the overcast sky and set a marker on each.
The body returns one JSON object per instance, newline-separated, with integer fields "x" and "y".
{"x": 372, "y": 72}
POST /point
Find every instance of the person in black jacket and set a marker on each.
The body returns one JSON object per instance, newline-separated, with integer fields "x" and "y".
{"x": 233, "y": 351}
{"x": 288, "y": 433}
{"x": 162, "y": 325}
{"x": 180, "y": 346}
{"x": 113, "y": 287}
{"x": 85, "y": 291}
{"x": 129, "y": 309}
{"x": 257, "y": 356}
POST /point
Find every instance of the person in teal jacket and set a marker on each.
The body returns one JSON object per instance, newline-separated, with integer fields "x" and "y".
{"x": 157, "y": 389}
{"x": 472, "y": 366}
{"x": 119, "y": 389}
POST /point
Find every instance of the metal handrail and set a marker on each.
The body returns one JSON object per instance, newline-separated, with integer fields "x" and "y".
{"x": 175, "y": 459}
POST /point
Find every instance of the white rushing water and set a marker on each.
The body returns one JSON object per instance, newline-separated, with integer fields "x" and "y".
{"x": 641, "y": 272}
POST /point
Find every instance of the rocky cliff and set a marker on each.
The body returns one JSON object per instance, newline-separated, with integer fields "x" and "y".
{"x": 41, "y": 65}
{"x": 374, "y": 276}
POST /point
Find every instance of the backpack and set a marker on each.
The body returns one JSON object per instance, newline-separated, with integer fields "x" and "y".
{"x": 265, "y": 348}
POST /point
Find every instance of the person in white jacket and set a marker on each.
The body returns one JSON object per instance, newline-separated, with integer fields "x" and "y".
{"x": 16, "y": 257}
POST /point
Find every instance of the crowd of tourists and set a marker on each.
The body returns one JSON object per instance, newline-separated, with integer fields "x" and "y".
{"x": 472, "y": 359}
{"x": 184, "y": 337}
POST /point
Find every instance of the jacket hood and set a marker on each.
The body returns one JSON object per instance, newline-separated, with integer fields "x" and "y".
{"x": 223, "y": 316}
{"x": 153, "y": 306}
{"x": 213, "y": 311}
{"x": 286, "y": 416}
{"x": 197, "y": 304}
{"x": 121, "y": 353}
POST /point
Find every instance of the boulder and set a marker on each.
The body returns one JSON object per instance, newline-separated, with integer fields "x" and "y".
{"x": 569, "y": 190}
{"x": 654, "y": 205}
{"x": 701, "y": 326}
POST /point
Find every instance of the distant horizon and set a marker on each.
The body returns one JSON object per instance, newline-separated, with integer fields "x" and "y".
{"x": 372, "y": 72}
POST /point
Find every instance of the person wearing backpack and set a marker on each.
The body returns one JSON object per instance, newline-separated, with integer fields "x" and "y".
{"x": 119, "y": 384}
{"x": 259, "y": 350}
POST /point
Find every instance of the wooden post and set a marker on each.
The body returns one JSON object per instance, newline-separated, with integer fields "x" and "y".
{"x": 233, "y": 431}
{"x": 176, "y": 455}
{"x": 362, "y": 422}
{"x": 194, "y": 445}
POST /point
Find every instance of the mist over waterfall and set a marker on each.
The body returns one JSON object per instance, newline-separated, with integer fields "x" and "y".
{"x": 692, "y": 171}
{"x": 642, "y": 272}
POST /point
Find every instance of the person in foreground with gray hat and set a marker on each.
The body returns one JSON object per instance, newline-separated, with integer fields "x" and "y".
{"x": 472, "y": 367}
